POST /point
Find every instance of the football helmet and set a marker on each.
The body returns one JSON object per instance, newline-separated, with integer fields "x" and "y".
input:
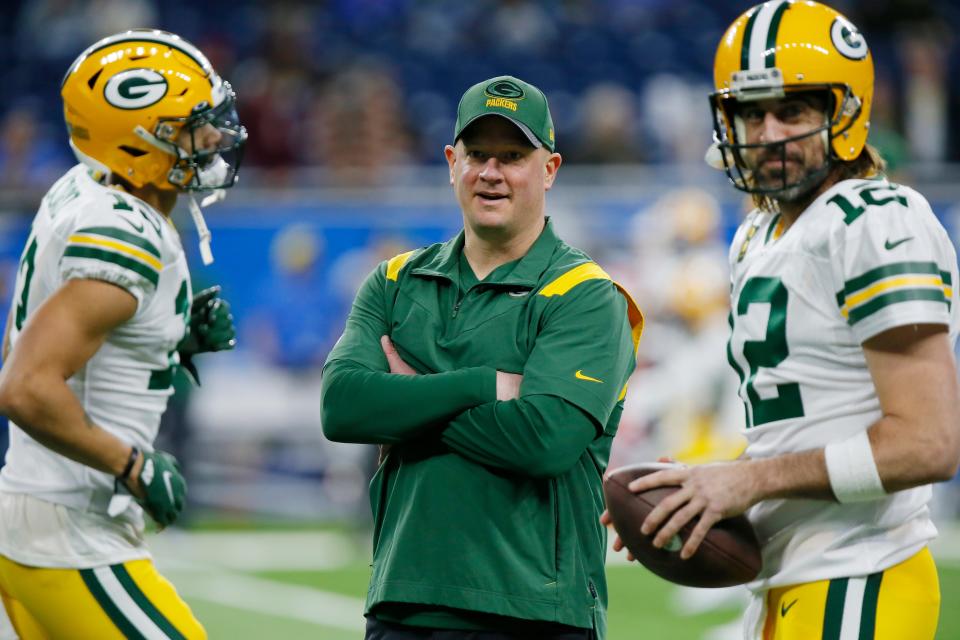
{"x": 784, "y": 46}
{"x": 130, "y": 97}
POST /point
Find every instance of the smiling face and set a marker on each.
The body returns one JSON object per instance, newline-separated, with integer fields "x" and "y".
{"x": 500, "y": 179}
{"x": 768, "y": 122}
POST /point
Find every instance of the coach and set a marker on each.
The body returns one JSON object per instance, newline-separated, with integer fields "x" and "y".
{"x": 491, "y": 368}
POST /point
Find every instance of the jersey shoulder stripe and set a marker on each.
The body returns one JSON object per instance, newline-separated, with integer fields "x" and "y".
{"x": 892, "y": 283}
{"x": 124, "y": 236}
{"x": 901, "y": 295}
{"x": 104, "y": 254}
{"x": 125, "y": 247}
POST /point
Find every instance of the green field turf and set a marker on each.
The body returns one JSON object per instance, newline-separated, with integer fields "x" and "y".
{"x": 255, "y": 587}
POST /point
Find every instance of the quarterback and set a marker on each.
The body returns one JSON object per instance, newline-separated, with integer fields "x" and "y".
{"x": 843, "y": 320}
{"x": 102, "y": 314}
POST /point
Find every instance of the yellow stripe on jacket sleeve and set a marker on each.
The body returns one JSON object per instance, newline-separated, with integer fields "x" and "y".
{"x": 395, "y": 264}
{"x": 592, "y": 271}
{"x": 581, "y": 273}
{"x": 119, "y": 247}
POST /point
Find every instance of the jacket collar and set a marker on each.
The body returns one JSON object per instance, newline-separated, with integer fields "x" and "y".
{"x": 525, "y": 273}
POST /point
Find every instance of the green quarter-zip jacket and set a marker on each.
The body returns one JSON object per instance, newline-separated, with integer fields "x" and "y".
{"x": 481, "y": 505}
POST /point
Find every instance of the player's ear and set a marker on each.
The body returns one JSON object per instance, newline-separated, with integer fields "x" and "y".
{"x": 551, "y": 167}
{"x": 451, "y": 155}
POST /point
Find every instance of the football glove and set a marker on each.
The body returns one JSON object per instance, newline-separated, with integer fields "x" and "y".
{"x": 211, "y": 329}
{"x": 164, "y": 487}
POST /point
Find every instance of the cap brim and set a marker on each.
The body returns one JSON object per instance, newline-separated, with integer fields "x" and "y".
{"x": 534, "y": 140}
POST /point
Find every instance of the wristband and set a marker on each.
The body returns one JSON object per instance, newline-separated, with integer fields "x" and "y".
{"x": 132, "y": 460}
{"x": 852, "y": 470}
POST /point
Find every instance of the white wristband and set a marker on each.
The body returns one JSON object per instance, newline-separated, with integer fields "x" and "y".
{"x": 852, "y": 470}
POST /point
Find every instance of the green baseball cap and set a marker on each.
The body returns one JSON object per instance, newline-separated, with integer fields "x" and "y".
{"x": 519, "y": 102}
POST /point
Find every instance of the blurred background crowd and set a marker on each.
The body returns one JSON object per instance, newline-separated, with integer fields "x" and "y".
{"x": 349, "y": 103}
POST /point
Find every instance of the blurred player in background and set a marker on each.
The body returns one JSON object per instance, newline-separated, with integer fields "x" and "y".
{"x": 101, "y": 316}
{"x": 493, "y": 368}
{"x": 844, "y": 316}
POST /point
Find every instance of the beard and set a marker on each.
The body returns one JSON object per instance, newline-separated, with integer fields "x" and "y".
{"x": 787, "y": 177}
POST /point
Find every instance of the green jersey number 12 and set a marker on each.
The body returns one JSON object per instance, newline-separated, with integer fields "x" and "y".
{"x": 769, "y": 353}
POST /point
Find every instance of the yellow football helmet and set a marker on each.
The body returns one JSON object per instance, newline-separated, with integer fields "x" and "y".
{"x": 128, "y": 97}
{"x": 792, "y": 45}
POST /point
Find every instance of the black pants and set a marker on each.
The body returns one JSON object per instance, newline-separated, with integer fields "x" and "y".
{"x": 377, "y": 630}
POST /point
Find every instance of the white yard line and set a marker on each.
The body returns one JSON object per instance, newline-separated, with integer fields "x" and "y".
{"x": 210, "y": 566}
{"x": 260, "y": 550}
{"x": 270, "y": 597}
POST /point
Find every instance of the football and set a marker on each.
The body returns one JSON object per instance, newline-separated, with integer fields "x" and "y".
{"x": 729, "y": 554}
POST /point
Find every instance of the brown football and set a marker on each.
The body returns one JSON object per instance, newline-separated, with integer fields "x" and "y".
{"x": 729, "y": 555}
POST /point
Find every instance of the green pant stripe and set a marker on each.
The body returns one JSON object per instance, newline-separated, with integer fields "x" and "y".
{"x": 148, "y": 272}
{"x": 124, "y": 236}
{"x": 895, "y": 269}
{"x": 144, "y": 603}
{"x": 770, "y": 58}
{"x": 113, "y": 612}
{"x": 868, "y": 613}
{"x": 833, "y": 612}
{"x": 903, "y": 295}
{"x": 747, "y": 32}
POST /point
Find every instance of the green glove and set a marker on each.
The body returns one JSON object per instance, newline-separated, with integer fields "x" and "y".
{"x": 163, "y": 486}
{"x": 211, "y": 329}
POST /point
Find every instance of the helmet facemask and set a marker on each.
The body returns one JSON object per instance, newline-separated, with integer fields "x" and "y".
{"x": 730, "y": 136}
{"x": 198, "y": 168}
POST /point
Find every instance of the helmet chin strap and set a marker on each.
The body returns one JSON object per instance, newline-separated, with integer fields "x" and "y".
{"x": 206, "y": 254}
{"x": 216, "y": 173}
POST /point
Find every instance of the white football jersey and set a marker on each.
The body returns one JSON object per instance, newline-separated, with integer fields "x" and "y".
{"x": 86, "y": 230}
{"x": 864, "y": 257}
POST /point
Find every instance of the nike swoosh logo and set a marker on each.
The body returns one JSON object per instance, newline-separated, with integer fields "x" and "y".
{"x": 784, "y": 608}
{"x": 135, "y": 227}
{"x": 890, "y": 245}
{"x": 579, "y": 376}
{"x": 166, "y": 482}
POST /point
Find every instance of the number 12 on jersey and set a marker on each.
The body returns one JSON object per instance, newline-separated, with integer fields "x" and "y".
{"x": 766, "y": 353}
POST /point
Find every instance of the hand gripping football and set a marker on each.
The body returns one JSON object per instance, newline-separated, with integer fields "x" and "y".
{"x": 728, "y": 555}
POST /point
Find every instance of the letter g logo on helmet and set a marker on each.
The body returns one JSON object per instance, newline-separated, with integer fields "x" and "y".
{"x": 848, "y": 41}
{"x": 135, "y": 89}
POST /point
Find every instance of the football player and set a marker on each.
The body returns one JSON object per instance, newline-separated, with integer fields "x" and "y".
{"x": 101, "y": 316}
{"x": 844, "y": 316}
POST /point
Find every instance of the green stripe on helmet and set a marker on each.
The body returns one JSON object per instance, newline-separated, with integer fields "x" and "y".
{"x": 146, "y": 35}
{"x": 747, "y": 32}
{"x": 770, "y": 57}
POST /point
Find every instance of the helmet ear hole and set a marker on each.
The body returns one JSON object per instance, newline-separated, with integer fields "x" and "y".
{"x": 93, "y": 79}
{"x": 133, "y": 151}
